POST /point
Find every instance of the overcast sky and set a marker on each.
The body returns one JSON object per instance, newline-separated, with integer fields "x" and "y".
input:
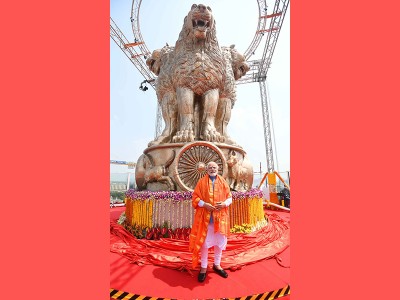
{"x": 133, "y": 112}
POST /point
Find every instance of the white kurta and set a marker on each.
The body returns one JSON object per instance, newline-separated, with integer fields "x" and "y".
{"x": 215, "y": 238}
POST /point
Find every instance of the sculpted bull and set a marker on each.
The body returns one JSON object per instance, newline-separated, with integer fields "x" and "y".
{"x": 240, "y": 174}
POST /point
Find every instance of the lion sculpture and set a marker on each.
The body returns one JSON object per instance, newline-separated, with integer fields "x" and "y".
{"x": 236, "y": 67}
{"x": 196, "y": 81}
{"x": 160, "y": 63}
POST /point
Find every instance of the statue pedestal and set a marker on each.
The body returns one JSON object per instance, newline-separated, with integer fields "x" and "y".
{"x": 178, "y": 166}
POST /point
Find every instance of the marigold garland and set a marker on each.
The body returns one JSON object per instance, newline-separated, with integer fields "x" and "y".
{"x": 146, "y": 209}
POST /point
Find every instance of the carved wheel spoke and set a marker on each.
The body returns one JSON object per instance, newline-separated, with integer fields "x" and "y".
{"x": 192, "y": 161}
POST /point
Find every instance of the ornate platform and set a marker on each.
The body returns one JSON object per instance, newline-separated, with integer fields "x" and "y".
{"x": 178, "y": 166}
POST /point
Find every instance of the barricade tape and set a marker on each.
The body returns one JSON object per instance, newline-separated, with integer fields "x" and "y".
{"x": 121, "y": 295}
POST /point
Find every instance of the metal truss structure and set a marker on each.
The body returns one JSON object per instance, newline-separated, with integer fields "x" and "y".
{"x": 269, "y": 25}
{"x": 138, "y": 58}
{"x": 130, "y": 164}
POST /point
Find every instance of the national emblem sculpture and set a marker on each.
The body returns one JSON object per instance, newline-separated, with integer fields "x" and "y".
{"x": 196, "y": 91}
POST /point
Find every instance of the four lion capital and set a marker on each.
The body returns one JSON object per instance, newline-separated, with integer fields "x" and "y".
{"x": 196, "y": 86}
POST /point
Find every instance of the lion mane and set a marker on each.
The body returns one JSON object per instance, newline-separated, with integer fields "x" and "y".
{"x": 199, "y": 63}
{"x": 160, "y": 63}
{"x": 236, "y": 67}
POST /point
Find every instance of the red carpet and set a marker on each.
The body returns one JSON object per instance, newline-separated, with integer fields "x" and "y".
{"x": 259, "y": 278}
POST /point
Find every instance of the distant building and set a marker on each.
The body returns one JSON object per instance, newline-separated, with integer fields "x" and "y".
{"x": 118, "y": 186}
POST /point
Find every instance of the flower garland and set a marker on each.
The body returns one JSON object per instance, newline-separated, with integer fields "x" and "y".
{"x": 161, "y": 195}
{"x": 146, "y": 209}
{"x": 181, "y": 196}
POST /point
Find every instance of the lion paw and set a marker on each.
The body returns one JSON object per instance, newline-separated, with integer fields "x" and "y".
{"x": 210, "y": 134}
{"x": 184, "y": 136}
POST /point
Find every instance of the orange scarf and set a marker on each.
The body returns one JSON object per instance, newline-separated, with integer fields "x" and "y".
{"x": 204, "y": 190}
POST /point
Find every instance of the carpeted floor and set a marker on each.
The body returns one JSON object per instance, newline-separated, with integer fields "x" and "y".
{"x": 264, "y": 278}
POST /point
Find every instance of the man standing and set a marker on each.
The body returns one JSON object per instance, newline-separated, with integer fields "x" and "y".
{"x": 285, "y": 194}
{"x": 211, "y": 198}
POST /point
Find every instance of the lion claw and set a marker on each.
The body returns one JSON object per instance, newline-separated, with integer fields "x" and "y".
{"x": 184, "y": 136}
{"x": 212, "y": 135}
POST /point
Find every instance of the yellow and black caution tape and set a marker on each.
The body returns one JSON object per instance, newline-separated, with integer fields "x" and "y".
{"x": 116, "y": 294}
{"x": 266, "y": 296}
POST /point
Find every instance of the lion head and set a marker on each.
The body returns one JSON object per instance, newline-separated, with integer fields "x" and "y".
{"x": 236, "y": 67}
{"x": 198, "y": 25}
{"x": 154, "y": 61}
{"x": 200, "y": 21}
{"x": 158, "y": 58}
{"x": 239, "y": 65}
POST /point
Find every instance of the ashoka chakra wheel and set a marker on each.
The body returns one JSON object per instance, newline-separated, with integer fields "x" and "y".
{"x": 192, "y": 160}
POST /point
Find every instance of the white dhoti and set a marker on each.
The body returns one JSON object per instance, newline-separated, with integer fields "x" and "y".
{"x": 216, "y": 240}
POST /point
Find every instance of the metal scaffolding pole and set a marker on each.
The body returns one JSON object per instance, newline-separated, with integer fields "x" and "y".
{"x": 267, "y": 130}
{"x": 136, "y": 58}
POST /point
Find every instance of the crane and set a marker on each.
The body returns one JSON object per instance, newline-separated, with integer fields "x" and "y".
{"x": 135, "y": 56}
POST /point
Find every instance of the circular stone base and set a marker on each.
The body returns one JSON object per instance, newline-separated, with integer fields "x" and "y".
{"x": 178, "y": 166}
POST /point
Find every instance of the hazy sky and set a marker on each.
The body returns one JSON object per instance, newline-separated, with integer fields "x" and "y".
{"x": 133, "y": 112}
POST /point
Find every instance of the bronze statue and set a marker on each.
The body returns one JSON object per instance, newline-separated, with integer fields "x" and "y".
{"x": 196, "y": 82}
{"x": 196, "y": 91}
